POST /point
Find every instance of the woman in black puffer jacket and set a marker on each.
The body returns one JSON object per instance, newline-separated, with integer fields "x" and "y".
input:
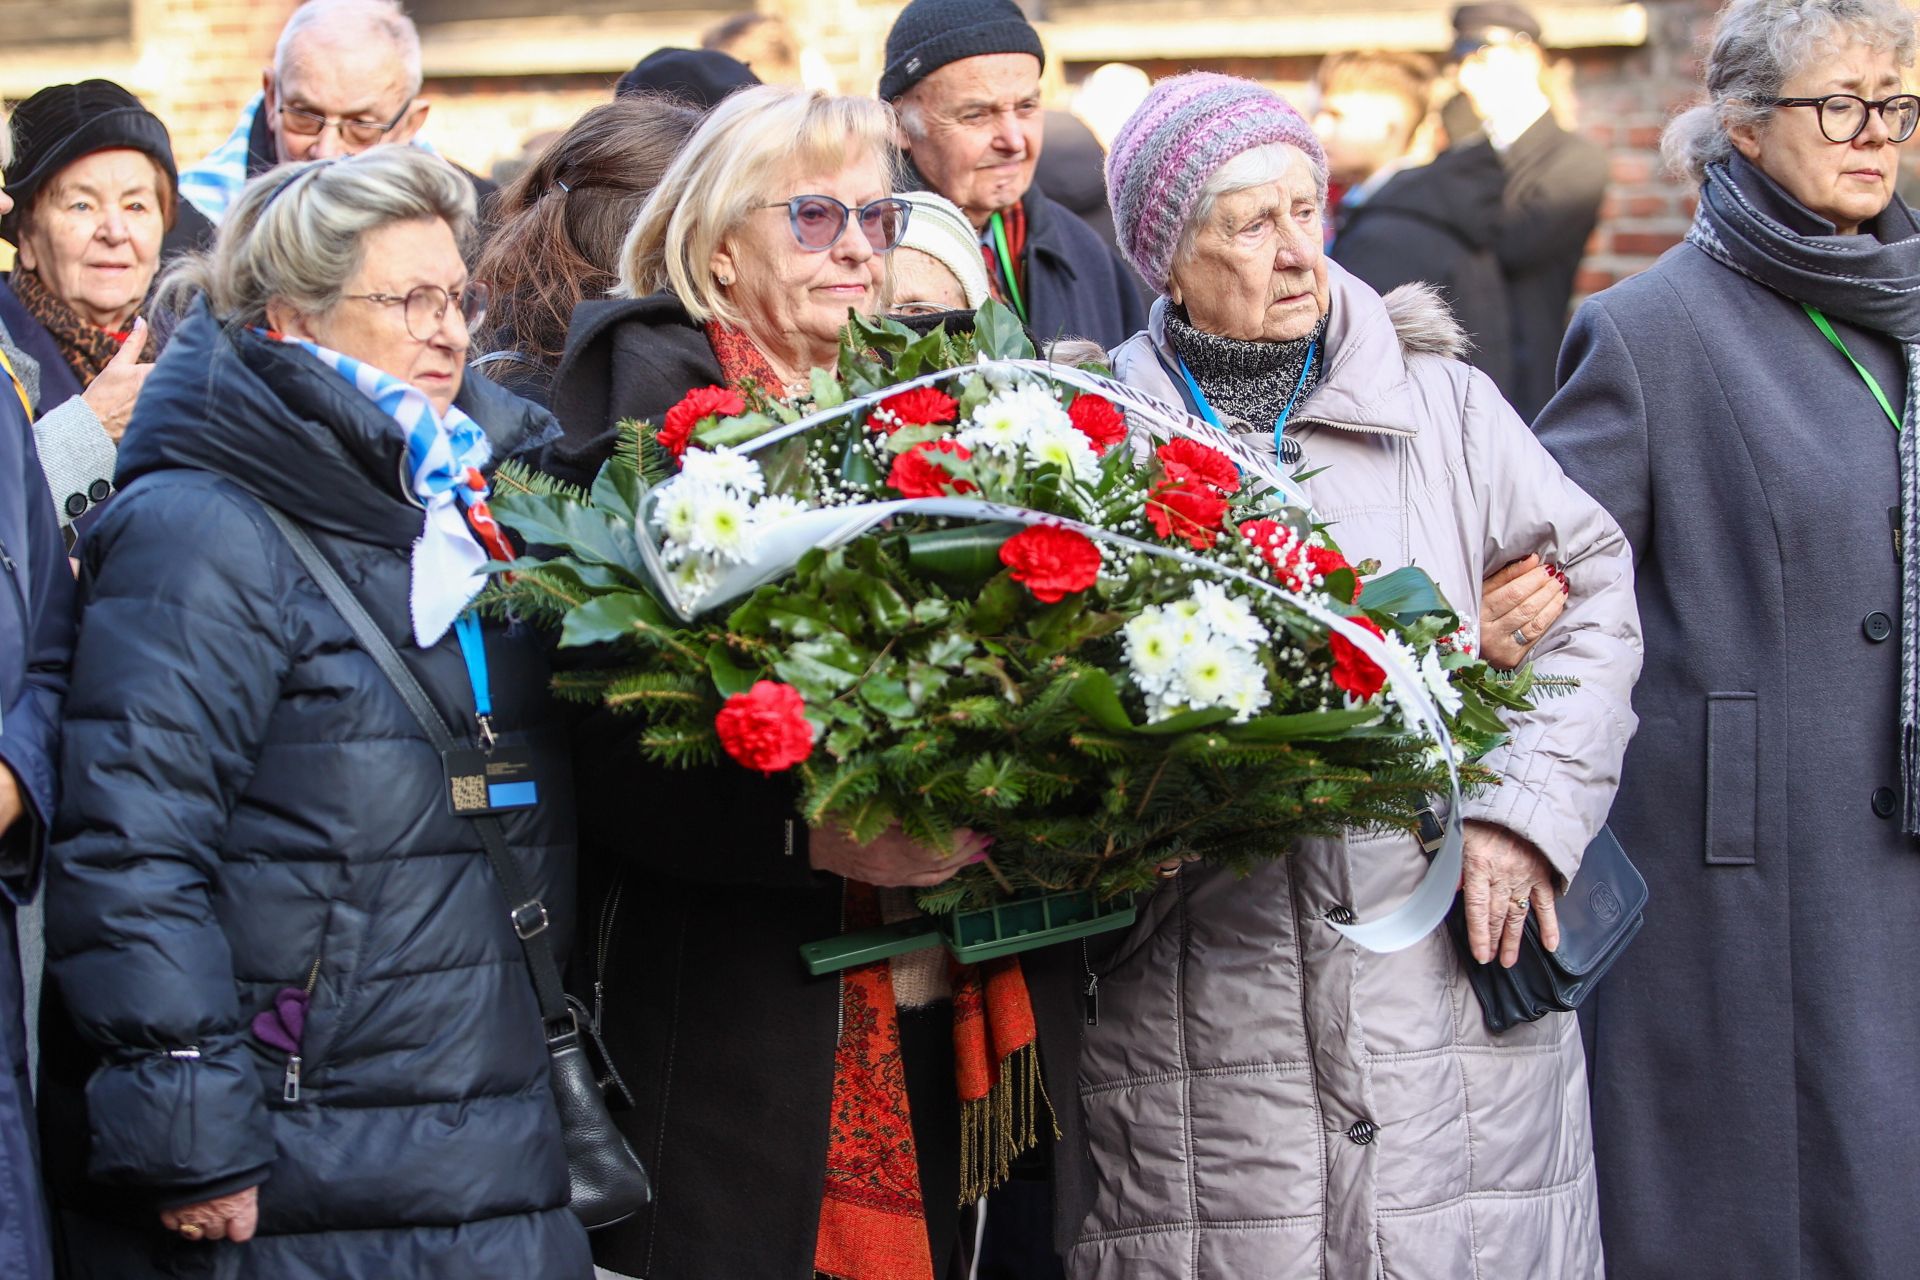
{"x": 251, "y": 813}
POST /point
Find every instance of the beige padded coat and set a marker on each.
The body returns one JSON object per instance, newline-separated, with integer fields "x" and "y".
{"x": 1264, "y": 1099}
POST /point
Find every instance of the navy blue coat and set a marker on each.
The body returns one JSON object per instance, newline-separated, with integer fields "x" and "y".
{"x": 36, "y": 637}
{"x": 250, "y": 807}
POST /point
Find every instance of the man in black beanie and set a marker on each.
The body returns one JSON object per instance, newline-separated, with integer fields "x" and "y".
{"x": 698, "y": 77}
{"x": 964, "y": 76}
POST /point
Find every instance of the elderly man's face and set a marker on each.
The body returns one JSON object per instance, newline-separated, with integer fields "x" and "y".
{"x": 1257, "y": 270}
{"x": 973, "y": 129}
{"x": 363, "y": 84}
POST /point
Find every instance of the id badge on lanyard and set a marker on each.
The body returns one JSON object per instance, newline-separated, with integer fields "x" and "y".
{"x": 491, "y": 777}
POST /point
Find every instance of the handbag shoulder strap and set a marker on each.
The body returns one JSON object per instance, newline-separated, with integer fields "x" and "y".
{"x": 526, "y": 913}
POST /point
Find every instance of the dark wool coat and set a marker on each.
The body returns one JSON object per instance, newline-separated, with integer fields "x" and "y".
{"x": 1439, "y": 223}
{"x": 1555, "y": 183}
{"x": 725, "y": 1042}
{"x": 249, "y": 806}
{"x": 1756, "y": 1052}
{"x": 36, "y": 639}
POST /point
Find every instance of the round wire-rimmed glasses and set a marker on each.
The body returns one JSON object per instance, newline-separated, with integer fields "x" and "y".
{"x": 1843, "y": 116}
{"x": 819, "y": 221}
{"x": 426, "y": 306}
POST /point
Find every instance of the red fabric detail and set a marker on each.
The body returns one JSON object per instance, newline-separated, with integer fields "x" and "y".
{"x": 992, "y": 1020}
{"x": 1014, "y": 220}
{"x": 741, "y": 360}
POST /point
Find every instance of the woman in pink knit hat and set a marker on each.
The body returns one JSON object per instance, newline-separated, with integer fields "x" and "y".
{"x": 1263, "y": 1096}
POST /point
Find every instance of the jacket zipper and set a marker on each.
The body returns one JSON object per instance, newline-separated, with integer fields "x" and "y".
{"x": 1091, "y": 991}
{"x": 19, "y": 593}
{"x": 290, "y": 1083}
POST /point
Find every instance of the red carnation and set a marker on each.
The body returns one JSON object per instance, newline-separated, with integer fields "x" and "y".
{"x": 921, "y": 407}
{"x": 1051, "y": 562}
{"x": 676, "y": 429}
{"x": 766, "y": 727}
{"x": 1186, "y": 459}
{"x": 1353, "y": 671}
{"x": 1096, "y": 418}
{"x": 1179, "y": 511}
{"x": 916, "y": 475}
{"x": 1326, "y": 562}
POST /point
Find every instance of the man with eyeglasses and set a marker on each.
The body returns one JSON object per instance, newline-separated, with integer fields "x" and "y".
{"x": 964, "y": 78}
{"x": 345, "y": 78}
{"x": 1555, "y": 182}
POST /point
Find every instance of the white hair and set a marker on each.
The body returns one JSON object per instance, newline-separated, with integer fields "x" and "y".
{"x": 349, "y": 22}
{"x": 1256, "y": 167}
{"x": 296, "y": 232}
{"x": 1757, "y": 46}
{"x": 6, "y": 141}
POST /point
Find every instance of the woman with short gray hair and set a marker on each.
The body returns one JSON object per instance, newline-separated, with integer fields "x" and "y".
{"x": 1745, "y": 409}
{"x": 299, "y": 1036}
{"x": 1262, "y": 1096}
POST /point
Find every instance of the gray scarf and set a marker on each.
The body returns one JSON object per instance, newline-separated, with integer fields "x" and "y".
{"x": 1870, "y": 280}
{"x": 1250, "y": 380}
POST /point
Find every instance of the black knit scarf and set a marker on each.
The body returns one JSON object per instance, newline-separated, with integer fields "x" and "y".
{"x": 1250, "y": 380}
{"x": 1871, "y": 280}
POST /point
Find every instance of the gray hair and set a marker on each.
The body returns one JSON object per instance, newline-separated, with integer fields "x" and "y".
{"x": 1255, "y": 167}
{"x": 351, "y": 22}
{"x": 6, "y": 141}
{"x": 1757, "y": 46}
{"x": 296, "y": 232}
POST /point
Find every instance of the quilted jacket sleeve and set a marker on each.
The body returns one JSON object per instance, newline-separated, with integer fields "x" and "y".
{"x": 1562, "y": 765}
{"x": 178, "y": 668}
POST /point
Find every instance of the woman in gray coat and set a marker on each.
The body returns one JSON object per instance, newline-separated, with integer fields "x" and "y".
{"x": 1739, "y": 409}
{"x": 1263, "y": 1098}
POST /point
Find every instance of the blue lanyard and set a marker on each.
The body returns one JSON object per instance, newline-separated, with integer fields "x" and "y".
{"x": 1279, "y": 423}
{"x": 474, "y": 649}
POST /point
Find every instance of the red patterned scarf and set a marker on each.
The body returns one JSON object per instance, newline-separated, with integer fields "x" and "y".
{"x": 1014, "y": 222}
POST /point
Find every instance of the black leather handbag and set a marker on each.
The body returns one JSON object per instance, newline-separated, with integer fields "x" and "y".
{"x": 1599, "y": 914}
{"x": 608, "y": 1182}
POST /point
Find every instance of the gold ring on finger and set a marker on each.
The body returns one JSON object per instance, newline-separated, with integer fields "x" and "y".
{"x": 1520, "y": 905}
{"x": 192, "y": 1230}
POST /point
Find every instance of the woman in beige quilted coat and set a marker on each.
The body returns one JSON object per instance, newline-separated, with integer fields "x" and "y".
{"x": 1264, "y": 1098}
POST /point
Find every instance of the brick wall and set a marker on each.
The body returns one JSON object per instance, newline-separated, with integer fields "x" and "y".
{"x": 199, "y": 61}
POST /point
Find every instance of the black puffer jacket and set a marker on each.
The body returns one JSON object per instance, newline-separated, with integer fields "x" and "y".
{"x": 249, "y": 806}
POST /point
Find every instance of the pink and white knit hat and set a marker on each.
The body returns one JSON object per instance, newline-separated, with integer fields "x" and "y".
{"x": 1188, "y": 127}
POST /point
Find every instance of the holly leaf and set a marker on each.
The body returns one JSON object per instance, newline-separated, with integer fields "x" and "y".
{"x": 728, "y": 677}
{"x": 998, "y": 333}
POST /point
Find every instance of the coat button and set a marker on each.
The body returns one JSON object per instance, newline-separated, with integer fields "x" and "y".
{"x": 1877, "y": 625}
{"x": 1340, "y": 914}
{"x": 76, "y": 505}
{"x": 1885, "y": 802}
{"x": 99, "y": 491}
{"x": 1362, "y": 1132}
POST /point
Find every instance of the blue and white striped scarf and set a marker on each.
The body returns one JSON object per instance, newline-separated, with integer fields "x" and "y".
{"x": 216, "y": 182}
{"x": 444, "y": 456}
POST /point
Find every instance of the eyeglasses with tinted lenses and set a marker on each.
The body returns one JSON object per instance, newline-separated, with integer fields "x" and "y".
{"x": 819, "y": 221}
{"x": 355, "y": 133}
{"x": 1843, "y": 115}
{"x": 426, "y": 306}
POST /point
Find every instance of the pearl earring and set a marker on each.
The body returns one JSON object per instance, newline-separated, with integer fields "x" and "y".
{"x": 725, "y": 282}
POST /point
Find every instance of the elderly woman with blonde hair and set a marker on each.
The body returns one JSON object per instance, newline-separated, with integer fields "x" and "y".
{"x": 793, "y": 1125}
{"x": 1262, "y": 1096}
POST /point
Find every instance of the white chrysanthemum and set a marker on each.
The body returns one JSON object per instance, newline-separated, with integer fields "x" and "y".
{"x": 678, "y": 506}
{"x": 724, "y": 469}
{"x": 1011, "y": 418}
{"x": 1214, "y": 674}
{"x": 1405, "y": 698}
{"x": 780, "y": 506}
{"x": 692, "y": 577}
{"x": 1435, "y": 677}
{"x": 1064, "y": 446}
{"x": 1153, "y": 647}
{"x": 1227, "y": 616}
{"x": 723, "y": 526}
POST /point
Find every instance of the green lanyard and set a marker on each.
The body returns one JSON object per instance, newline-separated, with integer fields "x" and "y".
{"x": 1820, "y": 322}
{"x": 1005, "y": 256}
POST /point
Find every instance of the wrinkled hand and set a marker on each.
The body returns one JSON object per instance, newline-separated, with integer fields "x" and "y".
{"x": 231, "y": 1217}
{"x": 11, "y": 805}
{"x": 892, "y": 860}
{"x": 1526, "y": 596}
{"x": 112, "y": 393}
{"x": 1501, "y": 871}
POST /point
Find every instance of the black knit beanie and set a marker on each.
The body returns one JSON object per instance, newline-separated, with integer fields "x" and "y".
{"x": 699, "y": 77}
{"x": 929, "y": 34}
{"x": 64, "y": 122}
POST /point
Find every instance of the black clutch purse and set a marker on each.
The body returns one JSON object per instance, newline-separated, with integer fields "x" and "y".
{"x": 1599, "y": 914}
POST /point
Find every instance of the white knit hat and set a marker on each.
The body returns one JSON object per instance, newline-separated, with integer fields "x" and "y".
{"x": 936, "y": 227}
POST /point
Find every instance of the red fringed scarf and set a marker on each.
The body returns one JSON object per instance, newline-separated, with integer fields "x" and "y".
{"x": 873, "y": 1216}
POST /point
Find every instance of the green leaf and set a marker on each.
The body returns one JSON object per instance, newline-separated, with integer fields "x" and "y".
{"x": 616, "y": 490}
{"x": 827, "y": 391}
{"x": 728, "y": 677}
{"x": 997, "y": 604}
{"x": 729, "y": 432}
{"x": 1094, "y": 693}
{"x": 998, "y": 333}
{"x": 819, "y": 669}
{"x": 614, "y": 617}
{"x": 965, "y": 555}
{"x": 1303, "y": 725}
{"x": 1188, "y": 721}
{"x": 570, "y": 527}
{"x": 858, "y": 470}
{"x": 1405, "y": 594}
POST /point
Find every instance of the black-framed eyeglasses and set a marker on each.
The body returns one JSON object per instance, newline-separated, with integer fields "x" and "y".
{"x": 426, "y": 306}
{"x": 819, "y": 221}
{"x": 356, "y": 133}
{"x": 1844, "y": 115}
